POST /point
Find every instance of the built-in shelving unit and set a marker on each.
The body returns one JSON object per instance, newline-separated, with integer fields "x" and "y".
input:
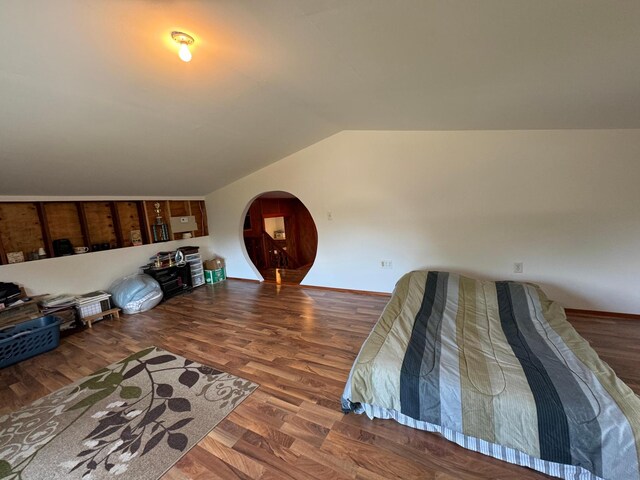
{"x": 28, "y": 227}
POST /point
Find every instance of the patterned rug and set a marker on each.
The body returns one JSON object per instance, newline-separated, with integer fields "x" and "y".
{"x": 133, "y": 419}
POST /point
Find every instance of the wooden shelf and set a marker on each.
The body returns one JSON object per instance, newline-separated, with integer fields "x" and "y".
{"x": 63, "y": 221}
{"x": 28, "y": 226}
{"x": 128, "y": 219}
{"x": 100, "y": 229}
{"x": 20, "y": 228}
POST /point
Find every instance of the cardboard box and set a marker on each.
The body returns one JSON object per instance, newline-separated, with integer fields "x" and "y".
{"x": 214, "y": 264}
{"x": 214, "y": 276}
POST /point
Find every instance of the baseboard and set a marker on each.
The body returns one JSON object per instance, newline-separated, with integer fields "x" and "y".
{"x": 576, "y": 312}
{"x": 315, "y": 287}
{"x": 251, "y": 280}
{"x": 347, "y": 290}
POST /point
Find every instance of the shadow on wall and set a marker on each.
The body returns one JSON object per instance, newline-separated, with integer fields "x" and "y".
{"x": 280, "y": 237}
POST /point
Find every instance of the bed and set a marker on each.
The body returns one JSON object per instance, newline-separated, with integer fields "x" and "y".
{"x": 496, "y": 368}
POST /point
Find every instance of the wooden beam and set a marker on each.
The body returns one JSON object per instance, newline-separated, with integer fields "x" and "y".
{"x": 144, "y": 222}
{"x": 117, "y": 225}
{"x": 44, "y": 225}
{"x": 84, "y": 226}
{"x": 3, "y": 254}
{"x": 167, "y": 218}
{"x": 205, "y": 223}
{"x": 194, "y": 233}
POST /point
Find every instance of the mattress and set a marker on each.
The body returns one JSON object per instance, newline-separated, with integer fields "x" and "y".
{"x": 496, "y": 368}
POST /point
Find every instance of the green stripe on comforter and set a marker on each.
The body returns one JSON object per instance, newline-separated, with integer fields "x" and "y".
{"x": 497, "y": 361}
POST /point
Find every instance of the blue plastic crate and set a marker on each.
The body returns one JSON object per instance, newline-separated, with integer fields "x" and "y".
{"x": 28, "y": 339}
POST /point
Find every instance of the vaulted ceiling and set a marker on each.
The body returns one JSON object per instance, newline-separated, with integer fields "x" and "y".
{"x": 94, "y": 100}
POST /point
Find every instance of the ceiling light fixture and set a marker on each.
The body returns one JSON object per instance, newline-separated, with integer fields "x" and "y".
{"x": 184, "y": 41}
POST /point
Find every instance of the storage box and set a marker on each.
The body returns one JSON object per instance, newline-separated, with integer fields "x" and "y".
{"x": 28, "y": 339}
{"x": 214, "y": 276}
{"x": 214, "y": 264}
{"x": 95, "y": 308}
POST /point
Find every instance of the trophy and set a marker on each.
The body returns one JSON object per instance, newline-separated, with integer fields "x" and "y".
{"x": 160, "y": 229}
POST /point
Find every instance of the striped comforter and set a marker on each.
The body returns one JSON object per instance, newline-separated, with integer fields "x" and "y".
{"x": 495, "y": 367}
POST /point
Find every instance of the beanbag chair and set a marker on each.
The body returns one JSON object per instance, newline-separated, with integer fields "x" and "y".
{"x": 136, "y": 293}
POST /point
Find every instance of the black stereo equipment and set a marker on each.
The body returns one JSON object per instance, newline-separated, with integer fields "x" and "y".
{"x": 62, "y": 247}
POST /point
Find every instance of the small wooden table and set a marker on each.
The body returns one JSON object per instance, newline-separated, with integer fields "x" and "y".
{"x": 111, "y": 313}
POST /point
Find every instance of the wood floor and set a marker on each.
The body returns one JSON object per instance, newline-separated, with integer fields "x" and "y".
{"x": 298, "y": 344}
{"x": 285, "y": 276}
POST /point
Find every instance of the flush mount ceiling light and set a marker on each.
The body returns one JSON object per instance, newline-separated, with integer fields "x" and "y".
{"x": 184, "y": 41}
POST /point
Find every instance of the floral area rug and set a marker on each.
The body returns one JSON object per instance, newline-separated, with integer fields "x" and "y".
{"x": 133, "y": 419}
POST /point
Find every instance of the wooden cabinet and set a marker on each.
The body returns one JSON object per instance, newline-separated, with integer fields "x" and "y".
{"x": 28, "y": 227}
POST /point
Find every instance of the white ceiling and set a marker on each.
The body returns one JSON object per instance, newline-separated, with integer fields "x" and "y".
{"x": 94, "y": 100}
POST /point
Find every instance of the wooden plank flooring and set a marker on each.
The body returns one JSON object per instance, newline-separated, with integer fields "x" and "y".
{"x": 298, "y": 344}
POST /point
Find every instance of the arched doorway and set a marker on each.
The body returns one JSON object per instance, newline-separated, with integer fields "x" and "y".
{"x": 280, "y": 237}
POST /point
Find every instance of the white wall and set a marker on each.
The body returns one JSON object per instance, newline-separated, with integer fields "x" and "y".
{"x": 88, "y": 272}
{"x": 91, "y": 271}
{"x": 565, "y": 202}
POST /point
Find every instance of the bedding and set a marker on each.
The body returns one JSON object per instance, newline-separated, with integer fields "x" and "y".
{"x": 496, "y": 368}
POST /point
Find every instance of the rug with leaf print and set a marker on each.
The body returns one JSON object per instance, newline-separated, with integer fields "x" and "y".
{"x": 132, "y": 419}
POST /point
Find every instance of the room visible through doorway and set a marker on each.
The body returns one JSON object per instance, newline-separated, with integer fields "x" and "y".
{"x": 280, "y": 237}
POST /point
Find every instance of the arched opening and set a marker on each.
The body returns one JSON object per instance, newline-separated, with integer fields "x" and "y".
{"x": 280, "y": 237}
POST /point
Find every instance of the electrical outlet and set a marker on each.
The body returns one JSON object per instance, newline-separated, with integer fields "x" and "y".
{"x": 386, "y": 264}
{"x": 518, "y": 267}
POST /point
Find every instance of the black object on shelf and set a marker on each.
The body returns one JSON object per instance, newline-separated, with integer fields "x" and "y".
{"x": 62, "y": 247}
{"x": 173, "y": 280}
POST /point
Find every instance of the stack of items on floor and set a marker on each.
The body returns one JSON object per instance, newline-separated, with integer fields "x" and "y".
{"x": 9, "y": 293}
{"x": 192, "y": 257}
{"x": 187, "y": 254}
{"x": 214, "y": 271}
{"x": 91, "y": 305}
{"x": 63, "y": 307}
{"x": 28, "y": 329}
{"x": 163, "y": 260}
{"x": 72, "y": 308}
{"x": 15, "y": 306}
{"x": 176, "y": 272}
{"x": 24, "y": 330}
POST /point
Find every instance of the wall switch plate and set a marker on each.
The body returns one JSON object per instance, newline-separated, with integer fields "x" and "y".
{"x": 386, "y": 264}
{"x": 518, "y": 267}
{"x": 329, "y": 216}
